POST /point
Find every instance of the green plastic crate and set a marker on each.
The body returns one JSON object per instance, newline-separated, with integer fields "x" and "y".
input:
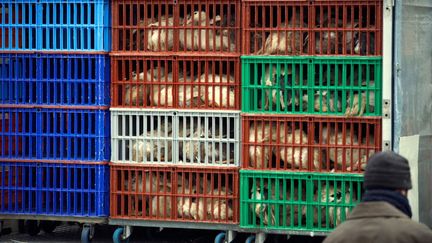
{"x": 350, "y": 86}
{"x": 297, "y": 201}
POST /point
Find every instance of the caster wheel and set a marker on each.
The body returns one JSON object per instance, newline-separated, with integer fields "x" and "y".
{"x": 87, "y": 234}
{"x": 48, "y": 226}
{"x": 117, "y": 236}
{"x": 250, "y": 239}
{"x": 32, "y": 227}
{"x": 220, "y": 237}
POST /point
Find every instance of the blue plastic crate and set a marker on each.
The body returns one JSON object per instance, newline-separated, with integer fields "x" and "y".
{"x": 49, "y": 25}
{"x": 47, "y": 79}
{"x": 54, "y": 189}
{"x": 55, "y": 134}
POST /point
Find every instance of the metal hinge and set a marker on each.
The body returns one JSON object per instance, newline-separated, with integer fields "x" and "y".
{"x": 386, "y": 109}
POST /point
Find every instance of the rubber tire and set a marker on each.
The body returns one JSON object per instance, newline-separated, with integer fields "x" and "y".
{"x": 117, "y": 236}
{"x": 220, "y": 237}
{"x": 32, "y": 227}
{"x": 85, "y": 235}
{"x": 48, "y": 226}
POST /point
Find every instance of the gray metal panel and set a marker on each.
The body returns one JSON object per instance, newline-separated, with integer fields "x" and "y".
{"x": 425, "y": 179}
{"x": 412, "y": 92}
{"x": 412, "y": 68}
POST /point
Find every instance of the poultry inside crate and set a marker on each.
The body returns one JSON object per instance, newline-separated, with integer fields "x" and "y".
{"x": 196, "y": 196}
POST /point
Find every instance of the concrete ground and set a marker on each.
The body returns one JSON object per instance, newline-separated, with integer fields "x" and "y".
{"x": 72, "y": 233}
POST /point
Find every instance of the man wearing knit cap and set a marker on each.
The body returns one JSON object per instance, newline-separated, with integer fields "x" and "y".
{"x": 384, "y": 215}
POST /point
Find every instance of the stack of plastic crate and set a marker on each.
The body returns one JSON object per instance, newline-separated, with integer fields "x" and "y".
{"x": 311, "y": 97}
{"x": 54, "y": 117}
{"x": 175, "y": 113}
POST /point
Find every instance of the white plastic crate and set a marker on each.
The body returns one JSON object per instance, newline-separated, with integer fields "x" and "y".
{"x": 149, "y": 136}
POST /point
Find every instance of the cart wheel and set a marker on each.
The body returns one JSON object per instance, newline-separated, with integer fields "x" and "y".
{"x": 220, "y": 237}
{"x": 86, "y": 234}
{"x": 250, "y": 239}
{"x": 32, "y": 227}
{"x": 48, "y": 226}
{"x": 117, "y": 236}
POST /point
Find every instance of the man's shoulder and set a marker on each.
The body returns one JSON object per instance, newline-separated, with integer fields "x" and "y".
{"x": 409, "y": 224}
{"x": 380, "y": 228}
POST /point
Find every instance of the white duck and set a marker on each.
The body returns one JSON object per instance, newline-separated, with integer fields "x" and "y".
{"x": 259, "y": 135}
{"x": 215, "y": 94}
{"x": 154, "y": 150}
{"x": 285, "y": 41}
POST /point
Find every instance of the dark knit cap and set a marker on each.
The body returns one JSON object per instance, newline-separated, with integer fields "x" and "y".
{"x": 387, "y": 170}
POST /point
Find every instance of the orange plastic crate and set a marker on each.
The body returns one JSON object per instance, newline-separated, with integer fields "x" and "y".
{"x": 307, "y": 143}
{"x": 324, "y": 27}
{"x": 186, "y": 194}
{"x": 176, "y": 26}
{"x": 197, "y": 82}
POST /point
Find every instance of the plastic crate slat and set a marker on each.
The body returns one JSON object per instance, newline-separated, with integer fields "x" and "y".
{"x": 51, "y": 79}
{"x": 55, "y": 26}
{"x": 183, "y": 82}
{"x": 58, "y": 134}
{"x": 309, "y": 143}
{"x": 312, "y": 28}
{"x": 174, "y": 193}
{"x": 182, "y": 137}
{"x": 169, "y": 26}
{"x": 348, "y": 86}
{"x": 54, "y": 189}
{"x": 297, "y": 201}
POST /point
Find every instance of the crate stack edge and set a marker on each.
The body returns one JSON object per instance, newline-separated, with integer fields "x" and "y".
{"x": 174, "y": 99}
{"x": 54, "y": 117}
{"x": 311, "y": 110}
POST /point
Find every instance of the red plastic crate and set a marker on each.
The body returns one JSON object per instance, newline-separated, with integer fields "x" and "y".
{"x": 272, "y": 28}
{"x": 184, "y": 194}
{"x": 325, "y": 27}
{"x": 347, "y": 142}
{"x": 7, "y": 124}
{"x": 171, "y": 26}
{"x": 176, "y": 82}
{"x": 309, "y": 143}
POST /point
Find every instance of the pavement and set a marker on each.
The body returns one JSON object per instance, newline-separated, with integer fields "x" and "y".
{"x": 103, "y": 233}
